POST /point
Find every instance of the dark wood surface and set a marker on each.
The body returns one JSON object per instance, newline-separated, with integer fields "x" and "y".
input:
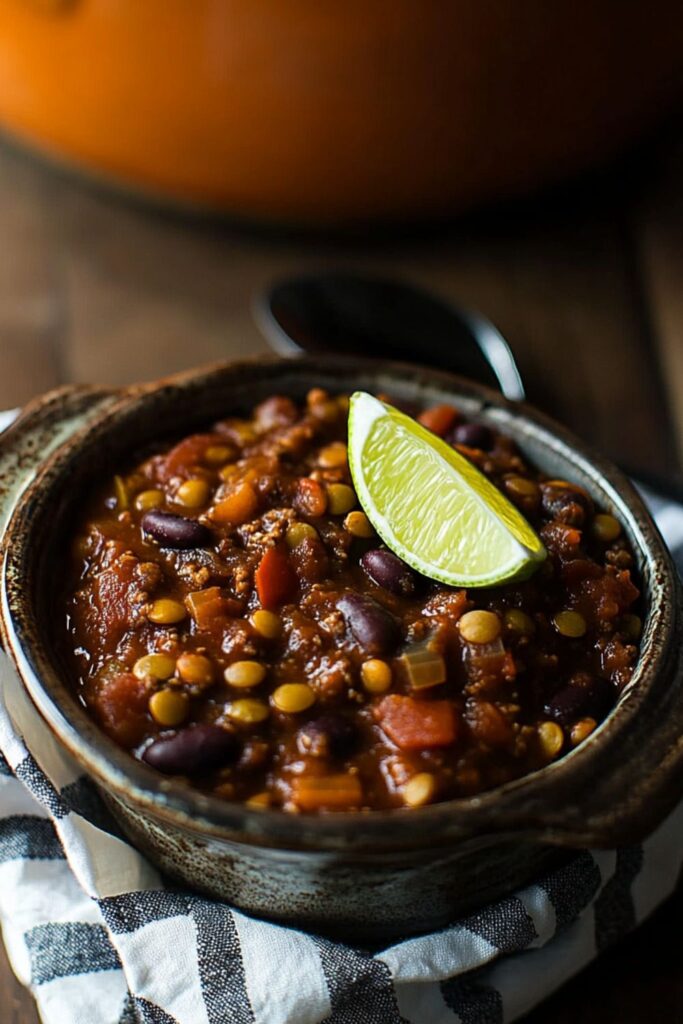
{"x": 584, "y": 283}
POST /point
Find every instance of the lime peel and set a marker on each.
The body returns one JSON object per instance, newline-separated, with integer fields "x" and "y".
{"x": 431, "y": 506}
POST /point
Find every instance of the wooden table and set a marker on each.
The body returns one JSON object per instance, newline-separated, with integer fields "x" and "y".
{"x": 585, "y": 283}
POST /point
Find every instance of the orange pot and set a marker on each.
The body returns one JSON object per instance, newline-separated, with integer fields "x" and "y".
{"x": 335, "y": 111}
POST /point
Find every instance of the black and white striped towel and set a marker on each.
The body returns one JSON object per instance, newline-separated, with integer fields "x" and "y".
{"x": 91, "y": 927}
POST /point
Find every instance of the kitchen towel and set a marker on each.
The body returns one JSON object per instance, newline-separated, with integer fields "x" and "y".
{"x": 100, "y": 937}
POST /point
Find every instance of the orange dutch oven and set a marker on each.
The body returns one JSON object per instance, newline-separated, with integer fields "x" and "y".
{"x": 340, "y": 110}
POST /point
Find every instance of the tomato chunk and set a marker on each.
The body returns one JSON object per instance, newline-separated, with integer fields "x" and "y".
{"x": 327, "y": 792}
{"x": 416, "y": 724}
{"x": 439, "y": 419}
{"x": 121, "y": 706}
{"x": 275, "y": 579}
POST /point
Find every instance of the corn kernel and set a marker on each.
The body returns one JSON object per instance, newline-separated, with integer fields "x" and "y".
{"x": 158, "y": 666}
{"x": 419, "y": 790}
{"x": 193, "y": 493}
{"x": 245, "y": 674}
{"x": 479, "y": 627}
{"x": 376, "y": 675}
{"x": 166, "y": 612}
{"x": 169, "y": 707}
{"x": 195, "y": 669}
{"x": 293, "y": 697}
{"x": 268, "y": 624}
{"x": 570, "y": 624}
{"x": 340, "y": 499}
{"x": 358, "y": 525}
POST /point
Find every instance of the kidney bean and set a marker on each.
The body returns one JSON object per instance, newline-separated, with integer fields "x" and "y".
{"x": 198, "y": 748}
{"x": 375, "y": 629}
{"x": 387, "y": 570}
{"x": 567, "y": 705}
{"x": 174, "y": 531}
{"x": 565, "y": 504}
{"x": 473, "y": 435}
{"x": 583, "y": 695}
{"x": 327, "y": 736}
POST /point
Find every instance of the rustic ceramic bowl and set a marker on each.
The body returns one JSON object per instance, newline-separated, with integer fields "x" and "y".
{"x": 367, "y": 876}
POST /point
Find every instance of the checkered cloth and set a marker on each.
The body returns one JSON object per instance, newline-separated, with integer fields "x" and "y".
{"x": 101, "y": 938}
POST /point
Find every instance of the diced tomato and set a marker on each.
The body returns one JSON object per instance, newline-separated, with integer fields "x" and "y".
{"x": 327, "y": 792}
{"x": 112, "y": 588}
{"x": 239, "y": 507}
{"x": 207, "y": 605}
{"x": 121, "y": 706}
{"x": 275, "y": 579}
{"x": 417, "y": 724}
{"x": 488, "y": 724}
{"x": 186, "y": 456}
{"x": 439, "y": 419}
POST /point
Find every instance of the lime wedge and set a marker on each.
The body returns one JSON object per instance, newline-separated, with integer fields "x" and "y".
{"x": 431, "y": 506}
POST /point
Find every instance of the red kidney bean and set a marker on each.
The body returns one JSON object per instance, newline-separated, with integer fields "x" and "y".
{"x": 327, "y": 736}
{"x": 387, "y": 570}
{"x": 583, "y": 695}
{"x": 198, "y": 748}
{"x": 174, "y": 531}
{"x": 472, "y": 435}
{"x": 565, "y": 504}
{"x": 375, "y": 629}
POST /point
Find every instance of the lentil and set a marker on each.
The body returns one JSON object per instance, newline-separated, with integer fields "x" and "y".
{"x": 155, "y": 666}
{"x": 606, "y": 528}
{"x": 358, "y": 525}
{"x": 169, "y": 707}
{"x": 248, "y": 710}
{"x": 551, "y": 739}
{"x": 519, "y": 622}
{"x": 376, "y": 675}
{"x": 297, "y": 533}
{"x": 166, "y": 612}
{"x": 146, "y": 500}
{"x": 340, "y": 499}
{"x": 582, "y": 730}
{"x": 570, "y": 624}
{"x": 245, "y": 674}
{"x": 293, "y": 698}
{"x": 268, "y": 624}
{"x": 333, "y": 456}
{"x": 193, "y": 493}
{"x": 419, "y": 790}
{"x": 195, "y": 669}
{"x": 479, "y": 627}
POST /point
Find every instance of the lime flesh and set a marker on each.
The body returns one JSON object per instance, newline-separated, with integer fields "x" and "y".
{"x": 431, "y": 506}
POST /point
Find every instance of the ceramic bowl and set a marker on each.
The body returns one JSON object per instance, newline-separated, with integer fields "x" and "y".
{"x": 367, "y": 876}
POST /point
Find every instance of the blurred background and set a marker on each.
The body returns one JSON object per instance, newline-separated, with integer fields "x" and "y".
{"x": 162, "y": 163}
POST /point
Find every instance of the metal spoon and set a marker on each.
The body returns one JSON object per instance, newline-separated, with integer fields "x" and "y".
{"x": 372, "y": 316}
{"x": 358, "y": 315}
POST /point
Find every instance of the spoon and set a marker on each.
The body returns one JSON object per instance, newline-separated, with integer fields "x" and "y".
{"x": 358, "y": 315}
{"x": 363, "y": 315}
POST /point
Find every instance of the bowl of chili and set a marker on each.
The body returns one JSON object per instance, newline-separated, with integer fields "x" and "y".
{"x": 275, "y": 708}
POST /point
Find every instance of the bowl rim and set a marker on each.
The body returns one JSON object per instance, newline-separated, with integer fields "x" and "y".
{"x": 536, "y": 806}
